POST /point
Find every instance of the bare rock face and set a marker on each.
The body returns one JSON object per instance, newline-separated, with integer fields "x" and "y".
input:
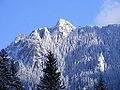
{"x": 83, "y": 53}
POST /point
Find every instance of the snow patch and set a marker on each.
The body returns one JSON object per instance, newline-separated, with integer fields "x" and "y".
{"x": 102, "y": 65}
{"x": 64, "y": 26}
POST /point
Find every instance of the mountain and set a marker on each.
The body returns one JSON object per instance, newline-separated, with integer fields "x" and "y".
{"x": 84, "y": 54}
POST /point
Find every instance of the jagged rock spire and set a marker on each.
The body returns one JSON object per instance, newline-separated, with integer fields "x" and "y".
{"x": 64, "y": 26}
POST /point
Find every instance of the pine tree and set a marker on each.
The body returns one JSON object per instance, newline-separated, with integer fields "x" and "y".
{"x": 51, "y": 78}
{"x": 15, "y": 80}
{"x": 8, "y": 78}
{"x": 78, "y": 88}
{"x": 101, "y": 84}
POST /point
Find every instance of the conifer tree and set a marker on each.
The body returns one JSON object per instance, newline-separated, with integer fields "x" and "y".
{"x": 78, "y": 88}
{"x": 51, "y": 78}
{"x": 101, "y": 84}
{"x": 8, "y": 78}
{"x": 16, "y": 83}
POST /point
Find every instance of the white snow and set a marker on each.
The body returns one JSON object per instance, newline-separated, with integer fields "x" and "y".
{"x": 79, "y": 50}
{"x": 64, "y": 26}
{"x": 102, "y": 64}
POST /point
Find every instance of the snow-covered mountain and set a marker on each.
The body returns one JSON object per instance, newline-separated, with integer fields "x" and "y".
{"x": 83, "y": 53}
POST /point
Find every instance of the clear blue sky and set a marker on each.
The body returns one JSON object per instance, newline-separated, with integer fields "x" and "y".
{"x": 23, "y": 16}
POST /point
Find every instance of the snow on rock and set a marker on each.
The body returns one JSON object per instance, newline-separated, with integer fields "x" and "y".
{"x": 64, "y": 26}
{"x": 20, "y": 37}
{"x": 83, "y": 53}
{"x": 102, "y": 65}
{"x": 46, "y": 34}
{"x": 35, "y": 34}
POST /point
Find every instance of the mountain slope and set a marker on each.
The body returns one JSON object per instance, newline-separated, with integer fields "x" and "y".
{"x": 83, "y": 54}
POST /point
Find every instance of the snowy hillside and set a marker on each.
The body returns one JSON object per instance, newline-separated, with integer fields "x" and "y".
{"x": 83, "y": 54}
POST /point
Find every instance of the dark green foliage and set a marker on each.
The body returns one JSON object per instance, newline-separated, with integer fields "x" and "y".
{"x": 101, "y": 84}
{"x": 15, "y": 80}
{"x": 8, "y": 78}
{"x": 51, "y": 78}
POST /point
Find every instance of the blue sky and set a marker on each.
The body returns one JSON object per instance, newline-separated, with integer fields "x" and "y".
{"x": 23, "y": 16}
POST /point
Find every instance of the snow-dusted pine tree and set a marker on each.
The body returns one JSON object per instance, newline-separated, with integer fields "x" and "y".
{"x": 101, "y": 84}
{"x": 8, "y": 78}
{"x": 78, "y": 88}
{"x": 51, "y": 78}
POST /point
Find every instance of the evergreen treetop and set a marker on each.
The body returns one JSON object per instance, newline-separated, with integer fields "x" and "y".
{"x": 8, "y": 79}
{"x": 51, "y": 76}
{"x": 101, "y": 84}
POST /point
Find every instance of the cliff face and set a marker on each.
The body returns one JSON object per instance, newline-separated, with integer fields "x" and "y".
{"x": 83, "y": 53}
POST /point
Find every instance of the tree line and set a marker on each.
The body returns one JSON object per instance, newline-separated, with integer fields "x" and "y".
{"x": 49, "y": 81}
{"x": 10, "y": 81}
